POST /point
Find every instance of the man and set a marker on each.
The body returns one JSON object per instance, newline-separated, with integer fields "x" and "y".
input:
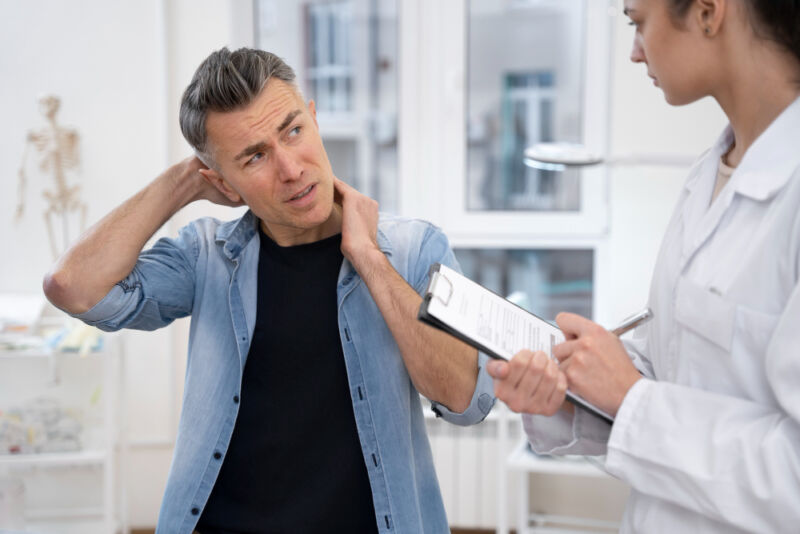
{"x": 301, "y": 409}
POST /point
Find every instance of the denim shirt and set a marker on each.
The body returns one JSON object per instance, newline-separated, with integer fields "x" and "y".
{"x": 210, "y": 272}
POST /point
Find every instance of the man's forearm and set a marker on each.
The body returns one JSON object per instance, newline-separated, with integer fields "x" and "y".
{"x": 442, "y": 368}
{"x": 107, "y": 252}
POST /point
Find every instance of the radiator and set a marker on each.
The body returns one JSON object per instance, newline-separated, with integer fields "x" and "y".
{"x": 470, "y": 464}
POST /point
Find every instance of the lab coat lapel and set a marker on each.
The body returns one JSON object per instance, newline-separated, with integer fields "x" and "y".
{"x": 764, "y": 170}
{"x": 700, "y": 219}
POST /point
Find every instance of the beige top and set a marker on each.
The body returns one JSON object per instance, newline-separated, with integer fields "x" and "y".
{"x": 724, "y": 173}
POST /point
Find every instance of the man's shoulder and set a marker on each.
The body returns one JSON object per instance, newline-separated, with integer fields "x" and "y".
{"x": 397, "y": 225}
{"x": 405, "y": 235}
{"x": 211, "y": 229}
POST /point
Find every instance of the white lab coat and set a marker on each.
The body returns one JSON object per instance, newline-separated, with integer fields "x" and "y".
{"x": 709, "y": 441}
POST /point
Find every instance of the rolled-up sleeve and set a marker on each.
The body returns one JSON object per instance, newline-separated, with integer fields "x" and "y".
{"x": 159, "y": 289}
{"x": 479, "y": 406}
{"x": 436, "y": 249}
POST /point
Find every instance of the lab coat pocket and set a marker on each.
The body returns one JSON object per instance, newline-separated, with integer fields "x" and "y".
{"x": 705, "y": 313}
{"x": 754, "y": 330}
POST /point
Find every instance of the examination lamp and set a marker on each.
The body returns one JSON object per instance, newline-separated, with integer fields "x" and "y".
{"x": 560, "y": 156}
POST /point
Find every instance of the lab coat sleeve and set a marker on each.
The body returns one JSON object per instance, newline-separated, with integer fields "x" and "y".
{"x": 725, "y": 457}
{"x": 580, "y": 432}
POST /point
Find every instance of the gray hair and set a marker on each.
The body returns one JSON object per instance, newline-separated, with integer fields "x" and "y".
{"x": 227, "y": 81}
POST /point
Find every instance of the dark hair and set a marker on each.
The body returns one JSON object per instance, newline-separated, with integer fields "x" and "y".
{"x": 775, "y": 20}
{"x": 226, "y": 81}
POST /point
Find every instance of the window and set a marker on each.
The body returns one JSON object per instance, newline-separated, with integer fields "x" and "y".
{"x": 485, "y": 79}
{"x": 524, "y": 86}
{"x": 543, "y": 281}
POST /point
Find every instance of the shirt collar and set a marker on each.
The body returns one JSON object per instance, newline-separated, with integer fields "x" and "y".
{"x": 234, "y": 235}
{"x": 772, "y": 159}
{"x": 768, "y": 163}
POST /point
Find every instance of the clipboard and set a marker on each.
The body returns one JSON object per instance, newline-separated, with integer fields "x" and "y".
{"x": 483, "y": 319}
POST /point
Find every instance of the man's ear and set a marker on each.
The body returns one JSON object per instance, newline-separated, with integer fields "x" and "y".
{"x": 312, "y": 108}
{"x": 215, "y": 179}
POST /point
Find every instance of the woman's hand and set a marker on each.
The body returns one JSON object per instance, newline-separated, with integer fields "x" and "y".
{"x": 595, "y": 363}
{"x": 529, "y": 383}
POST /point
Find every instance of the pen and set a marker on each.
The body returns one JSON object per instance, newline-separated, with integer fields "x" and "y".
{"x": 633, "y": 321}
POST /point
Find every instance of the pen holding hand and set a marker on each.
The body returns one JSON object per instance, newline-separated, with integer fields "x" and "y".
{"x": 592, "y": 362}
{"x": 595, "y": 362}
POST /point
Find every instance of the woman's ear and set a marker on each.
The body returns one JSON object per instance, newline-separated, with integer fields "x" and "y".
{"x": 709, "y": 15}
{"x": 215, "y": 179}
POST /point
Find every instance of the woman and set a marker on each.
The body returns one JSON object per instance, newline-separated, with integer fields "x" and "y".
{"x": 707, "y": 395}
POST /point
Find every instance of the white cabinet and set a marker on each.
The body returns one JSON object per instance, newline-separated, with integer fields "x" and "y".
{"x": 526, "y": 464}
{"x": 489, "y": 479}
{"x": 73, "y": 488}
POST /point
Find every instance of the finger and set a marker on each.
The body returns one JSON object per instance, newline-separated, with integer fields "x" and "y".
{"x": 339, "y": 190}
{"x": 497, "y": 369}
{"x": 559, "y": 393}
{"x": 547, "y": 383}
{"x": 574, "y": 371}
{"x": 564, "y": 350}
{"x": 531, "y": 380}
{"x": 505, "y": 388}
{"x": 518, "y": 367}
{"x": 573, "y": 325}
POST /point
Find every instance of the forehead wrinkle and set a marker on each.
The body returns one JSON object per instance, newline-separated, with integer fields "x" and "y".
{"x": 256, "y": 122}
{"x": 278, "y": 106}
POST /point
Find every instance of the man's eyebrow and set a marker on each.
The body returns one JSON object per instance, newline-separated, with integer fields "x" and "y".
{"x": 252, "y": 149}
{"x": 261, "y": 146}
{"x": 289, "y": 118}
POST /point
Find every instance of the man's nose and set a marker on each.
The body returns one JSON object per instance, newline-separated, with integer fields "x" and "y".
{"x": 289, "y": 168}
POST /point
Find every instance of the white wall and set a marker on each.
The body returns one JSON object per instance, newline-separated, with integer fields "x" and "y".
{"x": 103, "y": 59}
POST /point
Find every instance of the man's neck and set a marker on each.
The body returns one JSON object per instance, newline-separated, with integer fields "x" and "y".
{"x": 288, "y": 236}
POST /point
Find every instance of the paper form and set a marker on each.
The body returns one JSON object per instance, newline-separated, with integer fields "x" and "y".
{"x": 496, "y": 323}
{"x": 490, "y": 322}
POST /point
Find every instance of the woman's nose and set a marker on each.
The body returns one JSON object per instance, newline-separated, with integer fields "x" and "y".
{"x": 637, "y": 52}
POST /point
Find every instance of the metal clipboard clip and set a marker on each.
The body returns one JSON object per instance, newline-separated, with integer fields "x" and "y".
{"x": 439, "y": 280}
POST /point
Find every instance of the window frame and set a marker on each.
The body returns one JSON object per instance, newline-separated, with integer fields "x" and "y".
{"x": 432, "y": 127}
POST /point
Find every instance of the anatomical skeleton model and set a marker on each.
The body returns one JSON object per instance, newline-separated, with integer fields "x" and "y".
{"x": 56, "y": 148}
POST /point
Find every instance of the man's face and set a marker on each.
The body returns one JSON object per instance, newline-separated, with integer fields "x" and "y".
{"x": 270, "y": 155}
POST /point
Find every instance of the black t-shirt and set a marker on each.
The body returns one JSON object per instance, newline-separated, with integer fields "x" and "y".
{"x": 294, "y": 463}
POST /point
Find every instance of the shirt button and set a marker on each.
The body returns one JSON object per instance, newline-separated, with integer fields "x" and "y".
{"x": 217, "y": 455}
{"x": 195, "y": 511}
{"x": 236, "y": 399}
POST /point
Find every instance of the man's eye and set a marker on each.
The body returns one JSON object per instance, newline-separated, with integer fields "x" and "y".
{"x": 294, "y": 131}
{"x": 257, "y": 156}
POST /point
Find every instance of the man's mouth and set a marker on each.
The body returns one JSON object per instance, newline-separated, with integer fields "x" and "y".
{"x": 302, "y": 193}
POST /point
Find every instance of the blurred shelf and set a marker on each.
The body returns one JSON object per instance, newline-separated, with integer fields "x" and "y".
{"x": 53, "y": 459}
{"x": 524, "y": 459}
